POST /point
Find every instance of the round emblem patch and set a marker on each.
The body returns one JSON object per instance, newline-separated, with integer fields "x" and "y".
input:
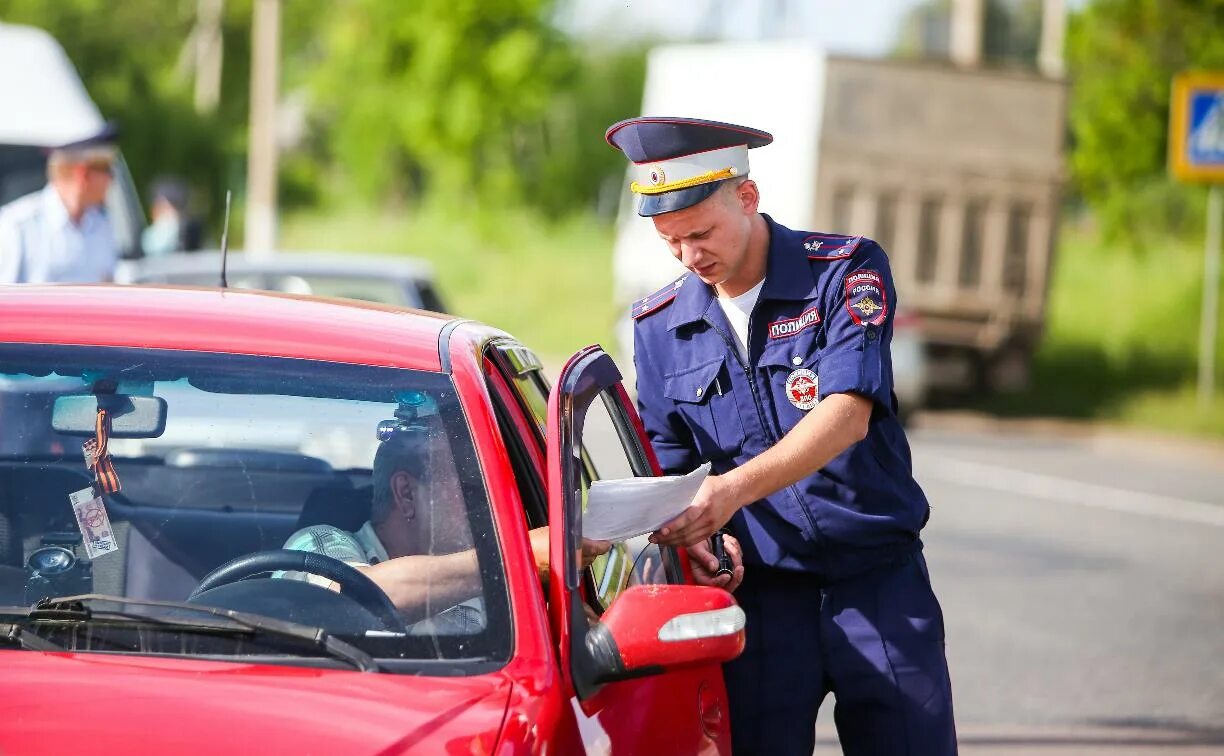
{"x": 657, "y": 177}
{"x": 802, "y": 389}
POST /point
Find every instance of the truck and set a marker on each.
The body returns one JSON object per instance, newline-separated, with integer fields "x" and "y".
{"x": 956, "y": 172}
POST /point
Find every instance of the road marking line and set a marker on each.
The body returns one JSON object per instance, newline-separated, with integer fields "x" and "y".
{"x": 1066, "y": 490}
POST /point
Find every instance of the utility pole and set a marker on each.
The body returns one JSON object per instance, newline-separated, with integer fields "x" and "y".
{"x": 261, "y": 147}
{"x": 1210, "y": 319}
{"x": 965, "y": 40}
{"x": 1196, "y": 154}
{"x": 1053, "y": 34}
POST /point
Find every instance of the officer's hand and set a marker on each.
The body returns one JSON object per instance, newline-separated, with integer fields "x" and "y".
{"x": 712, "y": 507}
{"x": 704, "y": 564}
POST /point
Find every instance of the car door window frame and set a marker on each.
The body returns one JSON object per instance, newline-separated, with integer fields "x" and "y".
{"x": 522, "y": 371}
{"x": 528, "y": 467}
{"x": 587, "y": 376}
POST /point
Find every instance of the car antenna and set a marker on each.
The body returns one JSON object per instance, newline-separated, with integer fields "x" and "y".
{"x": 225, "y": 238}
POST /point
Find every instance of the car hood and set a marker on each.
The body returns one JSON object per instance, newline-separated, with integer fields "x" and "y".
{"x": 58, "y": 702}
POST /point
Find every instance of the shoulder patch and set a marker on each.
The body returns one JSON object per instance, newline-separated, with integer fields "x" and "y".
{"x": 866, "y": 298}
{"x": 830, "y": 246}
{"x": 657, "y": 301}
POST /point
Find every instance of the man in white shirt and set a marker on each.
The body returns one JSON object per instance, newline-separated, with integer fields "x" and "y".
{"x": 417, "y": 545}
{"x": 61, "y": 234}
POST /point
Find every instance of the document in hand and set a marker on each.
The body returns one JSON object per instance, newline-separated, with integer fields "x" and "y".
{"x": 626, "y": 507}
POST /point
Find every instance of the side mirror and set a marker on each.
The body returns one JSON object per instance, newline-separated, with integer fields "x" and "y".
{"x": 657, "y": 628}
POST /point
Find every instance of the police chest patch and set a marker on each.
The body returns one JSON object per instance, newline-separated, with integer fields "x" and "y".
{"x": 866, "y": 299}
{"x": 803, "y": 389}
{"x": 780, "y": 329}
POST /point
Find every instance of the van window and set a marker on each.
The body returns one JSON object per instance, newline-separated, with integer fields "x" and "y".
{"x": 22, "y": 170}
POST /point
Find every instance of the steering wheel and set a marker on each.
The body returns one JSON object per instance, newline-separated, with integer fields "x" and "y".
{"x": 353, "y": 583}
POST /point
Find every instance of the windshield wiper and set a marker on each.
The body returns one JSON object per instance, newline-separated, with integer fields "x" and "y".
{"x": 74, "y": 609}
{"x": 30, "y": 641}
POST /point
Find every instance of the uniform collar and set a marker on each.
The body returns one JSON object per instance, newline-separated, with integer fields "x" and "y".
{"x": 788, "y": 275}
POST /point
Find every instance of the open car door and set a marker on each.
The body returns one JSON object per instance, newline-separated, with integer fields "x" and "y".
{"x": 642, "y": 656}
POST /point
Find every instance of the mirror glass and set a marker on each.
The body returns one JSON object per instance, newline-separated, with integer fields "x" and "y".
{"x": 131, "y": 416}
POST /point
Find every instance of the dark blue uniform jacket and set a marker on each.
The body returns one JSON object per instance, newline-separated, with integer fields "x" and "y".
{"x": 827, "y": 306}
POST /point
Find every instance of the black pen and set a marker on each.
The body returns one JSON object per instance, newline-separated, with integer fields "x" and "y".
{"x": 720, "y": 553}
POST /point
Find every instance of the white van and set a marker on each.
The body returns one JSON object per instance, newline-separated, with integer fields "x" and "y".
{"x": 44, "y": 104}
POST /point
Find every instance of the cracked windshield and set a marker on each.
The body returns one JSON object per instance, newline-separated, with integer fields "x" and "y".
{"x": 329, "y": 496}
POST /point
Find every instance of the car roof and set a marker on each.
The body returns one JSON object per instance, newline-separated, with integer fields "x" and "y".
{"x": 236, "y": 321}
{"x": 343, "y": 264}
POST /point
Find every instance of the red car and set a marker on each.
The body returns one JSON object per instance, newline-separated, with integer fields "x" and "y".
{"x": 169, "y": 617}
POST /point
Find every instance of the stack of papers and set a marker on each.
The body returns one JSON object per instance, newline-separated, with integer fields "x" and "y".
{"x": 622, "y": 508}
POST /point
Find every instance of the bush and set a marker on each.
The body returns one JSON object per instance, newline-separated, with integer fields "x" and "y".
{"x": 1121, "y": 57}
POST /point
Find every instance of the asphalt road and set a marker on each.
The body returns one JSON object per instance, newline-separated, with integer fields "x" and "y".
{"x": 1082, "y": 581}
{"x": 1081, "y": 576}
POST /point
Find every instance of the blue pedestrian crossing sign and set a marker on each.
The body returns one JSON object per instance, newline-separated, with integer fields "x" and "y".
{"x": 1196, "y": 127}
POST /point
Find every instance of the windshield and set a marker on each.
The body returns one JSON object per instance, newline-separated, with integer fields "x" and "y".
{"x": 271, "y": 461}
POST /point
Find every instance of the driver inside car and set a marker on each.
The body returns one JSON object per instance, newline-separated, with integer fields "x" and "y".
{"x": 417, "y": 545}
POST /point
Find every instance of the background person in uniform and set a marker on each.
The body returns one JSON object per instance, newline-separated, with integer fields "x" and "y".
{"x": 770, "y": 359}
{"x": 61, "y": 234}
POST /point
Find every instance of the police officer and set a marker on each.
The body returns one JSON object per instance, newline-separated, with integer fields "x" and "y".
{"x": 770, "y": 359}
{"x": 61, "y": 234}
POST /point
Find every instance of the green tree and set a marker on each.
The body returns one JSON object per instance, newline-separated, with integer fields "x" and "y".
{"x": 1121, "y": 57}
{"x": 436, "y": 93}
{"x": 451, "y": 98}
{"x": 464, "y": 99}
{"x": 126, "y": 54}
{"x": 571, "y": 165}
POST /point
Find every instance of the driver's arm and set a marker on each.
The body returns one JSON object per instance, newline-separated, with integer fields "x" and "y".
{"x": 425, "y": 584}
{"x": 418, "y": 585}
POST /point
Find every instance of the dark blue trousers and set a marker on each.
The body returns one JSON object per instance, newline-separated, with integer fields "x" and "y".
{"x": 875, "y": 641}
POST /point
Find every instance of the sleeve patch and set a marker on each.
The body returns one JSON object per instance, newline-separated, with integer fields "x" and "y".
{"x": 830, "y": 246}
{"x": 866, "y": 298}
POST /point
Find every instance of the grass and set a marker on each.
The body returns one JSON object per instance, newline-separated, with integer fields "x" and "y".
{"x": 1121, "y": 332}
{"x": 1121, "y": 339}
{"x": 549, "y": 283}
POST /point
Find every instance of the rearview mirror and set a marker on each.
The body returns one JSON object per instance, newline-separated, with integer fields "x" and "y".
{"x": 131, "y": 416}
{"x": 657, "y": 628}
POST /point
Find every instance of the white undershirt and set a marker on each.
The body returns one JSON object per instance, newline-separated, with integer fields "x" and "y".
{"x": 738, "y": 309}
